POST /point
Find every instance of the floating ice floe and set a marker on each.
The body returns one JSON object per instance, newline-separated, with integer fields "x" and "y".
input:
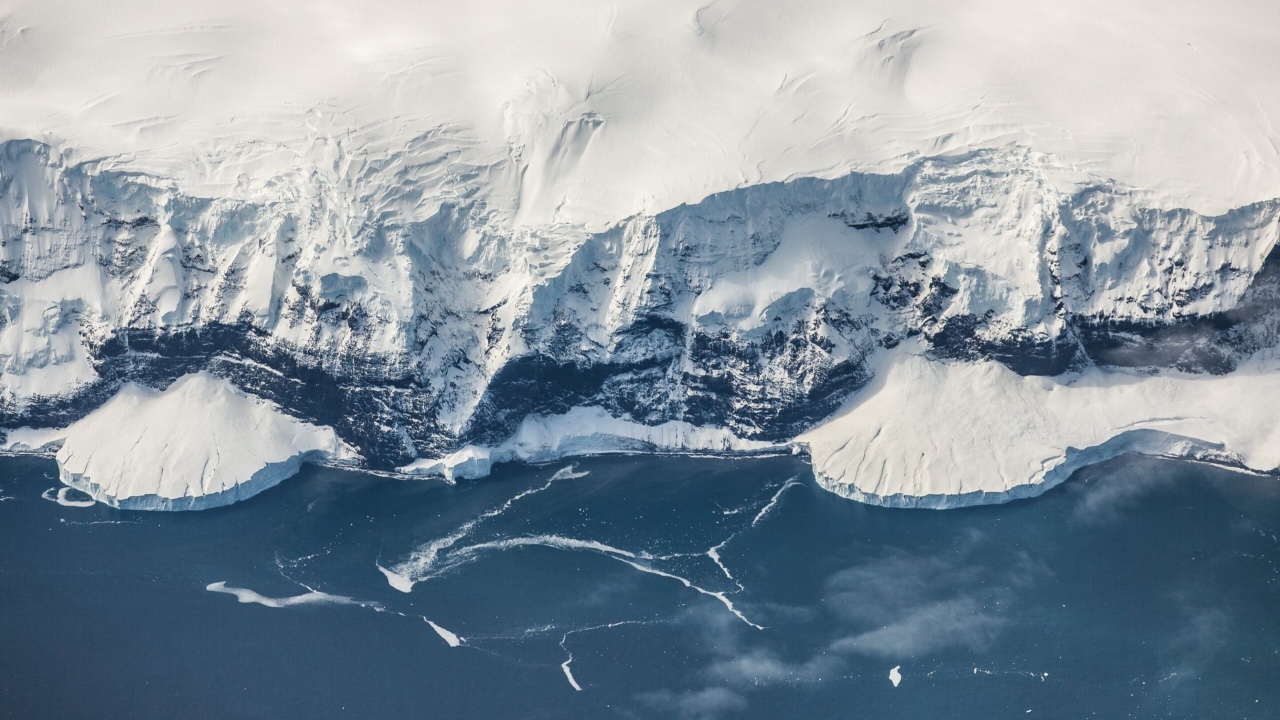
{"x": 313, "y": 597}
{"x": 59, "y": 495}
{"x": 451, "y": 639}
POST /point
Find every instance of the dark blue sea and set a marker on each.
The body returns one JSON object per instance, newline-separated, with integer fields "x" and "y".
{"x": 645, "y": 588}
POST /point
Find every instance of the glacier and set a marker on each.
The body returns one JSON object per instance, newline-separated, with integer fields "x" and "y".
{"x": 933, "y": 434}
{"x": 946, "y": 282}
{"x": 197, "y": 444}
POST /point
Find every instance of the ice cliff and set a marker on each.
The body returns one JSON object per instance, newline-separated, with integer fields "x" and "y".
{"x": 198, "y": 444}
{"x": 944, "y": 282}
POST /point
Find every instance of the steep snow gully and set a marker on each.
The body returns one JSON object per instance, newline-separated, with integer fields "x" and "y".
{"x": 964, "y": 331}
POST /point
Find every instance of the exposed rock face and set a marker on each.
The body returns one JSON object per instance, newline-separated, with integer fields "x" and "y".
{"x": 396, "y": 301}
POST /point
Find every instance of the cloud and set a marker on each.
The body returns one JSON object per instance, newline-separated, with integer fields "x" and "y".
{"x": 957, "y": 622}
{"x": 612, "y": 591}
{"x": 898, "y": 606}
{"x": 762, "y": 667}
{"x": 884, "y": 587}
{"x": 705, "y": 704}
{"x": 903, "y": 605}
{"x": 718, "y": 633}
{"x": 1107, "y": 489}
{"x": 1205, "y": 633}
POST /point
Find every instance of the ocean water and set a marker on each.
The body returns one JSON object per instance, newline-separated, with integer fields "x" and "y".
{"x": 645, "y": 588}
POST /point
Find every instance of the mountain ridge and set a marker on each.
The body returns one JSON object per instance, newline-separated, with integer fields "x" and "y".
{"x": 760, "y": 310}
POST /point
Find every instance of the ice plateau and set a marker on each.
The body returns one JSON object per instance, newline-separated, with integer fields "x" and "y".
{"x": 953, "y": 252}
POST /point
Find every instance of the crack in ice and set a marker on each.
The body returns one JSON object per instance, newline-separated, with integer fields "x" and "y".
{"x": 1041, "y": 676}
{"x": 319, "y": 597}
{"x": 714, "y": 554}
{"x": 722, "y": 597}
{"x": 773, "y": 502}
{"x": 569, "y": 673}
{"x": 421, "y": 564}
{"x": 564, "y": 640}
{"x": 468, "y": 554}
{"x": 313, "y": 597}
{"x": 442, "y": 555}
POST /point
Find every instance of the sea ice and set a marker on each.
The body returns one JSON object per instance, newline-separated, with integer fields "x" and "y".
{"x": 313, "y": 597}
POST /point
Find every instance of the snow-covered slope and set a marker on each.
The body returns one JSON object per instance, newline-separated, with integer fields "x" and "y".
{"x": 932, "y": 434}
{"x": 198, "y": 444}
{"x": 615, "y": 108}
{"x": 462, "y": 233}
{"x": 585, "y": 431}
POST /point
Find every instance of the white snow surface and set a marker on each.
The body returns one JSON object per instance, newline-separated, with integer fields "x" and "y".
{"x": 935, "y": 434}
{"x": 585, "y": 431}
{"x": 311, "y": 597}
{"x": 200, "y": 443}
{"x": 605, "y": 109}
{"x": 32, "y": 440}
{"x": 466, "y": 179}
{"x": 450, "y": 639}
